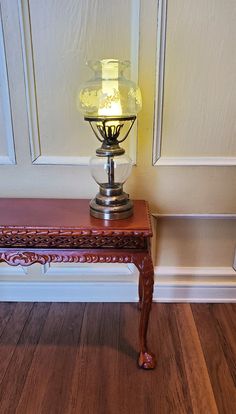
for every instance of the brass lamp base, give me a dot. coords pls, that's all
(111, 203)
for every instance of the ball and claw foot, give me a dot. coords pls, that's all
(146, 360)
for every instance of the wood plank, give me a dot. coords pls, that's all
(131, 385)
(14, 379)
(177, 395)
(6, 310)
(226, 327)
(11, 334)
(96, 371)
(199, 384)
(214, 328)
(171, 372)
(60, 382)
(49, 379)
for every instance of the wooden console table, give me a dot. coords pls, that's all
(55, 230)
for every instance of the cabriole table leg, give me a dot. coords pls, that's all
(144, 264)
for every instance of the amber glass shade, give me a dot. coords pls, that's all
(109, 93)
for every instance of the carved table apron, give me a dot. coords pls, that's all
(62, 231)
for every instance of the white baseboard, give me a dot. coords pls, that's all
(172, 284)
(195, 284)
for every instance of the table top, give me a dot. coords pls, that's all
(70, 216)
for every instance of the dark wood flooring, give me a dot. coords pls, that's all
(81, 358)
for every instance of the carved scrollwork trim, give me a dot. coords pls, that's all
(22, 231)
(29, 258)
(22, 240)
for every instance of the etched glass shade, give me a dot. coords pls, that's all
(109, 94)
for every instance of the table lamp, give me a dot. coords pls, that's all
(110, 102)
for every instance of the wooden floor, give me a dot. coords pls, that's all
(81, 358)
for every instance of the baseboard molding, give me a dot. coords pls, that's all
(171, 285)
(164, 272)
(195, 284)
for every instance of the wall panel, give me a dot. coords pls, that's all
(196, 93)
(7, 151)
(57, 40)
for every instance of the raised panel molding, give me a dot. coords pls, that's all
(175, 161)
(31, 87)
(5, 96)
(158, 158)
(194, 215)
(160, 69)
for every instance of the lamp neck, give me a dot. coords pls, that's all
(108, 150)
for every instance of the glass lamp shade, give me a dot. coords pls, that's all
(109, 93)
(110, 171)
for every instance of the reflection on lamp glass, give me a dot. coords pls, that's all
(110, 103)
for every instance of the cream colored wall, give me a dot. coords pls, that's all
(44, 47)
(195, 242)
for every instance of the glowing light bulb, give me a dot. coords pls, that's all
(110, 105)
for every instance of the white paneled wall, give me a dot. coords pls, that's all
(184, 146)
